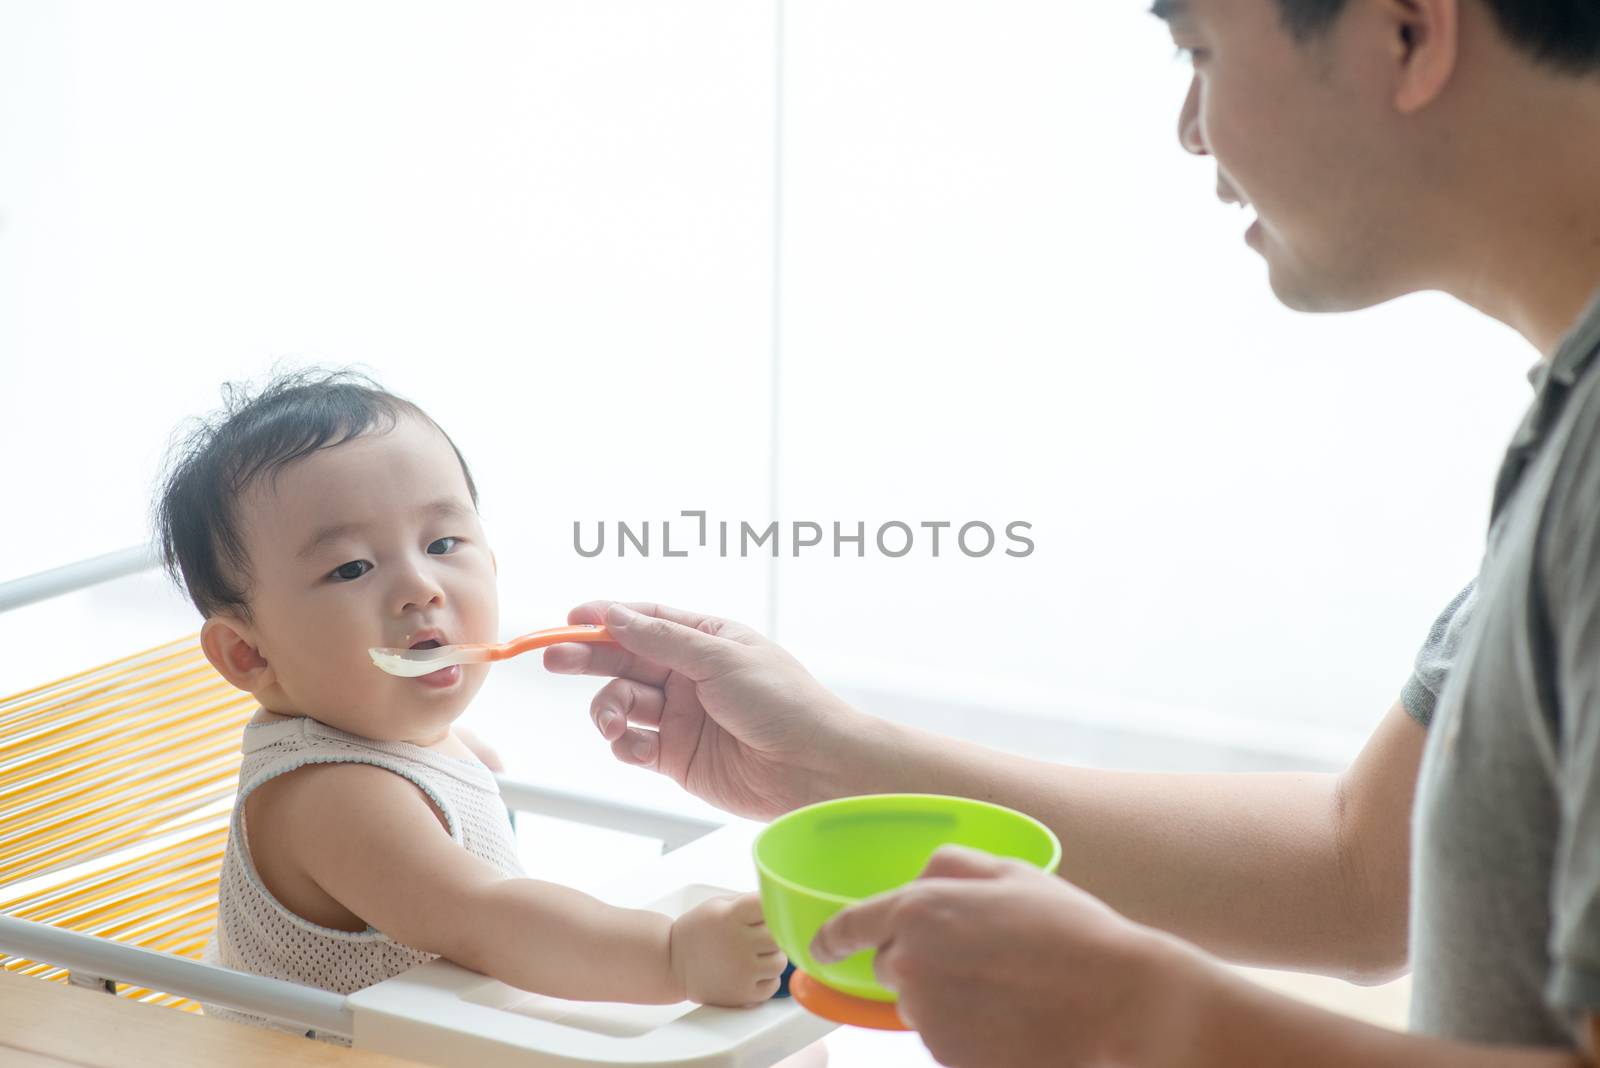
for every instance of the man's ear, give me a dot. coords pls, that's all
(229, 646)
(1425, 45)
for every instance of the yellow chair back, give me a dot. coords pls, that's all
(115, 789)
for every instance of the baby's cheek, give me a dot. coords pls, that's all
(487, 623)
(350, 683)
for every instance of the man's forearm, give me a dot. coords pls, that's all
(1224, 1021)
(1248, 866)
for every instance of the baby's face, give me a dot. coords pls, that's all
(373, 542)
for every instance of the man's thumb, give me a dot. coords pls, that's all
(960, 862)
(672, 645)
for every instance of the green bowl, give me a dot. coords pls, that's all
(816, 860)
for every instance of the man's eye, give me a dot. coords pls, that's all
(353, 570)
(442, 546)
(1190, 56)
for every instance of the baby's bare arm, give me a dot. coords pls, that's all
(372, 841)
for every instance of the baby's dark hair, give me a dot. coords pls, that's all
(256, 434)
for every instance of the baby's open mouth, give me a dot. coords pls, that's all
(431, 643)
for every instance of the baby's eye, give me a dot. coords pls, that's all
(351, 571)
(442, 546)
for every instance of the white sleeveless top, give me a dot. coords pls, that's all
(257, 934)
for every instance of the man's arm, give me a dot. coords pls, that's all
(997, 964)
(1292, 870)
(1233, 1022)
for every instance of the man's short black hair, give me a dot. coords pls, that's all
(254, 435)
(1562, 34)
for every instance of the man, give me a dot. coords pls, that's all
(1387, 146)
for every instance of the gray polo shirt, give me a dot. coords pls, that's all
(1505, 859)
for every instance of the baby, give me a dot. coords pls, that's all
(310, 523)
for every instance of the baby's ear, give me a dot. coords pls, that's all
(227, 644)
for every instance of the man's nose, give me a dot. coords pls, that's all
(1189, 135)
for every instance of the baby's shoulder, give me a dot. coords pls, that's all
(329, 794)
(313, 821)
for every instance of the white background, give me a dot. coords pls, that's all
(958, 269)
(1004, 294)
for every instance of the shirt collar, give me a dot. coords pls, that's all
(1552, 382)
(1579, 347)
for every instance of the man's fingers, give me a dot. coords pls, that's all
(623, 701)
(693, 653)
(590, 612)
(595, 612)
(864, 926)
(602, 658)
(960, 862)
(637, 747)
(650, 639)
(884, 970)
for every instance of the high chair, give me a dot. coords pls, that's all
(115, 789)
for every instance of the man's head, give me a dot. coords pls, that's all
(1377, 139)
(314, 520)
(1565, 34)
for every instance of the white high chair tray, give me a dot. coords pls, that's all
(443, 1014)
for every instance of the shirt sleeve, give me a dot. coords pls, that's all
(1421, 691)
(1570, 591)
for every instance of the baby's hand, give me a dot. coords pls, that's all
(723, 954)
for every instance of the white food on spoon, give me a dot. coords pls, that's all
(414, 663)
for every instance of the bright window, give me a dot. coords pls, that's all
(1004, 295)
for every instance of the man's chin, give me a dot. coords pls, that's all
(1298, 291)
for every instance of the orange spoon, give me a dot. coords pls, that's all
(410, 663)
